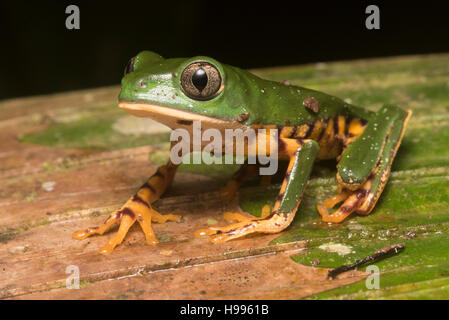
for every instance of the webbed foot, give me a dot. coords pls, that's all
(137, 208)
(242, 227)
(126, 217)
(359, 201)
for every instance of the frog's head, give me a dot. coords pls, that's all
(176, 92)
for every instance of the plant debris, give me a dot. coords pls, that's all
(376, 256)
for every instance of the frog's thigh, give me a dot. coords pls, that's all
(362, 197)
(382, 135)
(297, 175)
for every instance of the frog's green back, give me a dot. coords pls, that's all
(154, 80)
(270, 102)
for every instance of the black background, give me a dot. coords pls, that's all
(39, 55)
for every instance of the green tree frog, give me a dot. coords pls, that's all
(311, 126)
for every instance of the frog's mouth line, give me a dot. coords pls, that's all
(175, 118)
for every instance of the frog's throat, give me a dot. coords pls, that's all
(175, 118)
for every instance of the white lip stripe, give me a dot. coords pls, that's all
(169, 116)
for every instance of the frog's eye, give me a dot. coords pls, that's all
(201, 81)
(130, 66)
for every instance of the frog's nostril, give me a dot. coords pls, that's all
(130, 66)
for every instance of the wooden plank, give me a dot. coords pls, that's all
(253, 277)
(87, 182)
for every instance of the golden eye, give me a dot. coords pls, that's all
(201, 81)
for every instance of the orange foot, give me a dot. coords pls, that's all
(244, 226)
(359, 201)
(126, 216)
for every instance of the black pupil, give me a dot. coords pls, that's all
(199, 79)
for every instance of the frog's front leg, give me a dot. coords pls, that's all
(302, 154)
(137, 208)
(365, 165)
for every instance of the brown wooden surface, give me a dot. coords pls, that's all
(36, 225)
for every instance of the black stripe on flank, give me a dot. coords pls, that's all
(281, 130)
(347, 123)
(310, 130)
(323, 130)
(295, 129)
(336, 126)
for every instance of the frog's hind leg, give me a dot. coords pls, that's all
(302, 155)
(365, 165)
(137, 208)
